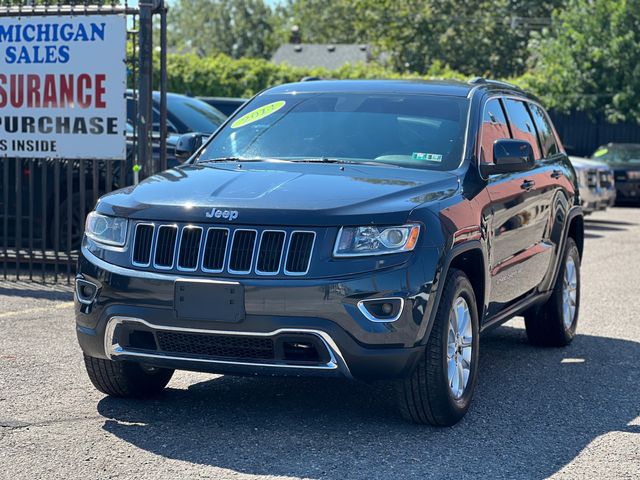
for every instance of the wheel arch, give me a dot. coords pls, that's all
(469, 257)
(576, 231)
(471, 263)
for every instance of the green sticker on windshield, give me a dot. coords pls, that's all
(258, 114)
(600, 152)
(427, 157)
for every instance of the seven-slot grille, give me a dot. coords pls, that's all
(238, 251)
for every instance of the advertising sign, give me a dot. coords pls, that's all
(62, 87)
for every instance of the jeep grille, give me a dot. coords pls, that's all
(237, 251)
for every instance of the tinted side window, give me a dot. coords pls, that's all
(494, 127)
(522, 125)
(547, 139)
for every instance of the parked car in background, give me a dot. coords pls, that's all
(596, 182)
(624, 159)
(184, 115)
(226, 105)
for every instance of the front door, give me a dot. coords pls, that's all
(520, 212)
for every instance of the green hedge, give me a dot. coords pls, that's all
(222, 76)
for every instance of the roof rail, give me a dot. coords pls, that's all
(311, 79)
(482, 80)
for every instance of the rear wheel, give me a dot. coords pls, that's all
(554, 323)
(441, 387)
(126, 379)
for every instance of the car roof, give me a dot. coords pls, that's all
(156, 95)
(427, 87)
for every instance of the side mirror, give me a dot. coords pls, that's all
(188, 144)
(509, 156)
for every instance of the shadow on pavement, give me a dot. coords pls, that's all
(33, 290)
(534, 411)
(592, 235)
(590, 221)
(590, 227)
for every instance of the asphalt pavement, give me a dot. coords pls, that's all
(537, 413)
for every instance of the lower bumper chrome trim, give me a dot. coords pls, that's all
(113, 349)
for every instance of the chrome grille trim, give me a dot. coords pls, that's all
(253, 252)
(151, 247)
(155, 249)
(198, 253)
(284, 244)
(224, 256)
(159, 231)
(313, 243)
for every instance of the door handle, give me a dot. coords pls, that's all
(556, 174)
(527, 185)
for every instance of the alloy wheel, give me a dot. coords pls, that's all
(569, 292)
(459, 347)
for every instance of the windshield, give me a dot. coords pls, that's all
(196, 115)
(620, 154)
(417, 131)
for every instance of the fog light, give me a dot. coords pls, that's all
(86, 291)
(382, 309)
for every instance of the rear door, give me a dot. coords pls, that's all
(554, 182)
(519, 254)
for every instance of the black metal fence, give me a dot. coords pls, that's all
(43, 202)
(582, 134)
(43, 205)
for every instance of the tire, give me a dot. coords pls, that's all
(126, 379)
(547, 325)
(427, 396)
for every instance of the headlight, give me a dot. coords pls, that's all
(633, 175)
(107, 230)
(360, 241)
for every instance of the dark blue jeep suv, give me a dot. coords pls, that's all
(360, 229)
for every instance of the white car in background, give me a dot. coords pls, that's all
(596, 182)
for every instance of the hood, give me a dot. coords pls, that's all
(268, 193)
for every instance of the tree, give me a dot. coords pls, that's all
(475, 37)
(590, 59)
(238, 28)
(322, 21)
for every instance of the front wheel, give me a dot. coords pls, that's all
(440, 390)
(554, 323)
(126, 379)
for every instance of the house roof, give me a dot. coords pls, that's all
(329, 56)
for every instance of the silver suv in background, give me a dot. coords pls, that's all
(596, 183)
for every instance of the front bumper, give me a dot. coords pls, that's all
(628, 192)
(595, 199)
(322, 311)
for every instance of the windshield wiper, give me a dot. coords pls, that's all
(241, 159)
(323, 160)
(348, 162)
(301, 160)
